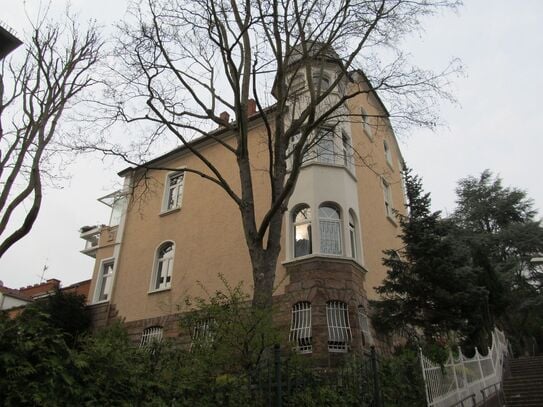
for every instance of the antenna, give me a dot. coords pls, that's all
(45, 268)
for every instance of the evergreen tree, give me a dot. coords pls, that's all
(499, 225)
(431, 286)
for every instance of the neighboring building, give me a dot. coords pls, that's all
(8, 41)
(162, 248)
(14, 300)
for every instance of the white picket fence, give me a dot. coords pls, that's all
(461, 377)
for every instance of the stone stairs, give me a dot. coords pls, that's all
(524, 386)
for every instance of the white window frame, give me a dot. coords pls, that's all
(388, 153)
(346, 150)
(353, 236)
(326, 154)
(300, 327)
(387, 194)
(151, 335)
(295, 224)
(366, 126)
(318, 78)
(330, 221)
(163, 265)
(104, 281)
(365, 327)
(339, 328)
(175, 190)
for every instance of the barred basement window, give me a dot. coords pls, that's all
(364, 322)
(150, 335)
(202, 333)
(339, 329)
(300, 328)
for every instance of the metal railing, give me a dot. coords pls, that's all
(461, 378)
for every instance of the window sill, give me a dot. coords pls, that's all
(339, 257)
(160, 290)
(169, 211)
(391, 220)
(100, 302)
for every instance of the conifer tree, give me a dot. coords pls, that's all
(431, 287)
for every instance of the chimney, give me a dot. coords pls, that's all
(225, 116)
(251, 107)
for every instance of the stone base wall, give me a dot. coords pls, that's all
(319, 280)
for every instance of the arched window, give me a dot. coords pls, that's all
(301, 221)
(150, 335)
(330, 229)
(162, 276)
(353, 239)
(339, 329)
(365, 331)
(300, 327)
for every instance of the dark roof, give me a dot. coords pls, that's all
(8, 42)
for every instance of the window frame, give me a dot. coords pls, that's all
(321, 152)
(365, 327)
(388, 154)
(168, 187)
(159, 263)
(337, 221)
(300, 327)
(104, 285)
(297, 209)
(366, 125)
(387, 195)
(339, 327)
(353, 235)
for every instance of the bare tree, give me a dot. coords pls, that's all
(186, 61)
(34, 96)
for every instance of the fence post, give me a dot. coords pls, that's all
(278, 384)
(376, 385)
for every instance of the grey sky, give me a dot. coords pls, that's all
(496, 126)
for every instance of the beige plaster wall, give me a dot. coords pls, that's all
(207, 229)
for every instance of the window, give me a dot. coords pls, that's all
(103, 285)
(173, 191)
(300, 327)
(321, 82)
(346, 150)
(366, 126)
(301, 220)
(325, 146)
(388, 153)
(151, 335)
(202, 333)
(365, 331)
(388, 199)
(297, 83)
(330, 229)
(162, 276)
(339, 329)
(352, 236)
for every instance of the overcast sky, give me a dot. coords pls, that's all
(496, 125)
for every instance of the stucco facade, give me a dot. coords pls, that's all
(201, 236)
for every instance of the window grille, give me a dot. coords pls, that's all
(364, 322)
(339, 329)
(203, 332)
(330, 230)
(150, 335)
(300, 328)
